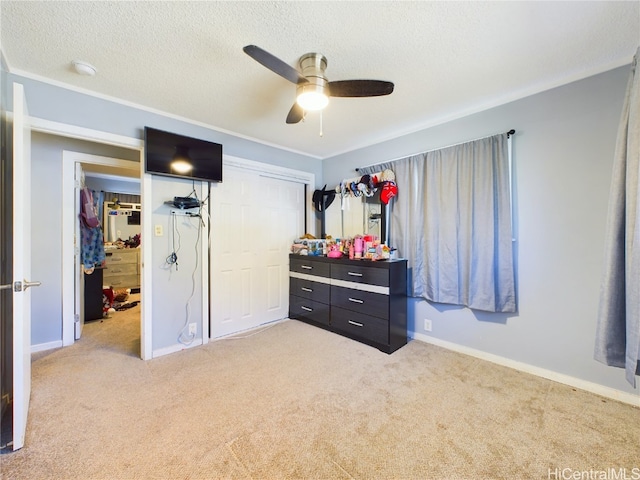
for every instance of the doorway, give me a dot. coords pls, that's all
(112, 292)
(107, 174)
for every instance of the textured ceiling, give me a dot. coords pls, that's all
(447, 59)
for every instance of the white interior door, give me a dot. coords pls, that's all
(21, 266)
(254, 220)
(78, 314)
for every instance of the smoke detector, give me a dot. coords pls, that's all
(83, 68)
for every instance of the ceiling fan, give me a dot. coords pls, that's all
(313, 88)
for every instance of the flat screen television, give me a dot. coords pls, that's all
(174, 155)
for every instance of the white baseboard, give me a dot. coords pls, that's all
(601, 390)
(160, 352)
(46, 346)
(248, 332)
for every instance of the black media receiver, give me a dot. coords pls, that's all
(185, 202)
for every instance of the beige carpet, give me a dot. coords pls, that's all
(294, 401)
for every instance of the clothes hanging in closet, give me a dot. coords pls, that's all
(92, 252)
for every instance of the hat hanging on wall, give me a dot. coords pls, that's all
(389, 190)
(387, 176)
(323, 198)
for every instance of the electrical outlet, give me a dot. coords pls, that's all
(427, 325)
(158, 231)
(192, 329)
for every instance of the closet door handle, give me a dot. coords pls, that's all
(351, 322)
(304, 289)
(306, 308)
(356, 300)
(354, 274)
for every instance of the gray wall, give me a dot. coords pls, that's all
(177, 292)
(562, 153)
(66, 106)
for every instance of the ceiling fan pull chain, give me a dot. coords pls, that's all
(321, 133)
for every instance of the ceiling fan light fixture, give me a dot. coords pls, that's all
(312, 97)
(313, 88)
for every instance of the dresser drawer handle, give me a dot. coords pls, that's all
(356, 300)
(306, 267)
(306, 308)
(351, 322)
(354, 274)
(305, 289)
(116, 259)
(115, 270)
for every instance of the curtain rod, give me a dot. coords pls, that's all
(509, 133)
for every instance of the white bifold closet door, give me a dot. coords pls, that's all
(254, 220)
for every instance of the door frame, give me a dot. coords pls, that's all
(78, 271)
(69, 201)
(96, 136)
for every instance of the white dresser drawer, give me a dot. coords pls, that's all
(121, 256)
(122, 281)
(121, 269)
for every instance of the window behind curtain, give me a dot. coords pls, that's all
(452, 221)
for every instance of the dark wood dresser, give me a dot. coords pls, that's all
(360, 299)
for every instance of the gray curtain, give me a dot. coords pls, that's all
(618, 327)
(451, 220)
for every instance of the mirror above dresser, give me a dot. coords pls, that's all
(121, 220)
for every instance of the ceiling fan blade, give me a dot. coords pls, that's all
(360, 88)
(275, 64)
(295, 114)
